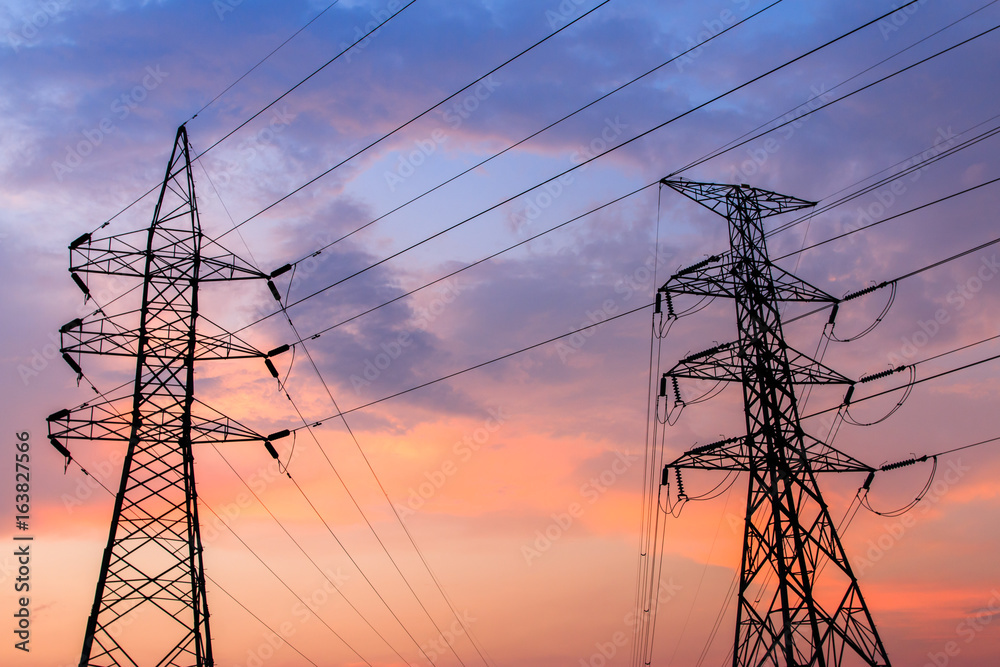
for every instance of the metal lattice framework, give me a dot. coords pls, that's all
(810, 610)
(150, 607)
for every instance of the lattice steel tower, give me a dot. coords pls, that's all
(799, 602)
(150, 606)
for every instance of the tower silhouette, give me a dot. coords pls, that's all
(150, 606)
(806, 607)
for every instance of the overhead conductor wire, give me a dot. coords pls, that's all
(357, 444)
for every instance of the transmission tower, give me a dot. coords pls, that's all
(799, 602)
(150, 607)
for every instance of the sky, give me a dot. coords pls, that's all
(520, 481)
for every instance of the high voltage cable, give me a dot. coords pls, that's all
(853, 92)
(522, 141)
(731, 145)
(412, 120)
(484, 363)
(353, 561)
(198, 157)
(648, 473)
(314, 73)
(241, 125)
(915, 272)
(909, 384)
(259, 620)
(963, 447)
(304, 553)
(357, 444)
(285, 584)
(892, 217)
(263, 60)
(456, 271)
(599, 155)
(618, 316)
(915, 166)
(308, 426)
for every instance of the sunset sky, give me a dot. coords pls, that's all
(520, 481)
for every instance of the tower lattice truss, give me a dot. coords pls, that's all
(811, 611)
(150, 606)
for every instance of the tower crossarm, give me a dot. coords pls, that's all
(118, 335)
(125, 255)
(111, 420)
(726, 362)
(716, 197)
(734, 454)
(715, 276)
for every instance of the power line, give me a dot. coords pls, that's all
(620, 315)
(412, 120)
(913, 165)
(731, 145)
(915, 272)
(244, 123)
(356, 565)
(306, 554)
(964, 447)
(892, 217)
(294, 87)
(484, 363)
(263, 60)
(909, 384)
(357, 444)
(533, 134)
(598, 155)
(452, 273)
(285, 584)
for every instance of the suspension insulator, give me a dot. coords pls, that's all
(72, 363)
(698, 265)
(868, 480)
(903, 464)
(670, 306)
(271, 450)
(707, 353)
(666, 476)
(274, 290)
(862, 292)
(677, 392)
(848, 395)
(278, 350)
(270, 367)
(56, 416)
(663, 386)
(283, 269)
(680, 484)
(79, 283)
(701, 449)
(833, 313)
(71, 325)
(659, 301)
(59, 448)
(882, 374)
(79, 241)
